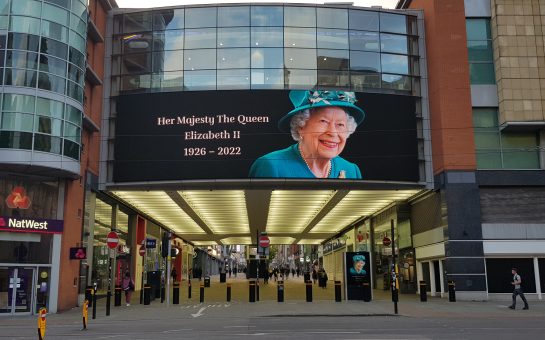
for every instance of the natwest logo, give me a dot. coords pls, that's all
(30, 225)
(18, 199)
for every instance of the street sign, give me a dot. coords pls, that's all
(142, 250)
(264, 241)
(151, 243)
(112, 240)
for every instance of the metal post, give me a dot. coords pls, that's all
(395, 293)
(94, 300)
(109, 293)
(168, 270)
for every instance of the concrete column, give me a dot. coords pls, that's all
(419, 275)
(432, 279)
(537, 278)
(441, 278)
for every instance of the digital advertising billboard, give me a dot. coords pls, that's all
(357, 275)
(241, 134)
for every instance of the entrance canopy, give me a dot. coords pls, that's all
(308, 216)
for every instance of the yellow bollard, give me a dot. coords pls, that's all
(85, 312)
(41, 323)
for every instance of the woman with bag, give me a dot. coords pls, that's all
(128, 287)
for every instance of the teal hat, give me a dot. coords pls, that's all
(309, 99)
(357, 258)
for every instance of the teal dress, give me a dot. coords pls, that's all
(288, 163)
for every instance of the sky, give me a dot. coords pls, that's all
(162, 3)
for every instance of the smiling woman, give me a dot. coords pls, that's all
(321, 122)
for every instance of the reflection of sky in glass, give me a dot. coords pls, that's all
(300, 16)
(366, 41)
(331, 38)
(234, 16)
(393, 43)
(267, 16)
(267, 36)
(395, 63)
(234, 58)
(267, 58)
(233, 37)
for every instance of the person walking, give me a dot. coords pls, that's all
(128, 287)
(517, 282)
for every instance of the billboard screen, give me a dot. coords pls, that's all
(236, 135)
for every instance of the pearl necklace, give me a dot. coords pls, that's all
(308, 166)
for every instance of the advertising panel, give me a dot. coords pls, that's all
(358, 275)
(265, 134)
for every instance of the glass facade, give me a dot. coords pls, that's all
(479, 48)
(43, 47)
(264, 47)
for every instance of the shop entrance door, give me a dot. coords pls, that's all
(16, 293)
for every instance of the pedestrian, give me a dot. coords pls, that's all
(128, 287)
(230, 271)
(517, 283)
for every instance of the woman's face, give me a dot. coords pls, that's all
(359, 265)
(324, 135)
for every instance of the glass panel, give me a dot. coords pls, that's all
(19, 77)
(365, 41)
(200, 17)
(23, 42)
(478, 29)
(55, 14)
(75, 74)
(168, 61)
(363, 20)
(168, 19)
(54, 48)
(200, 38)
(489, 159)
(53, 65)
(16, 140)
(136, 22)
(22, 59)
(395, 63)
(77, 41)
(394, 43)
(267, 36)
(17, 121)
(136, 82)
(168, 40)
(25, 25)
(394, 23)
(200, 80)
(329, 38)
(332, 18)
(23, 288)
(73, 115)
(361, 80)
(480, 50)
(334, 79)
(136, 63)
(18, 102)
(234, 37)
(71, 149)
(74, 91)
(5, 290)
(300, 58)
(49, 107)
(170, 81)
(4, 7)
(78, 25)
(234, 58)
(4, 22)
(27, 7)
(80, 9)
(300, 37)
(300, 16)
(520, 150)
(482, 73)
(485, 118)
(267, 57)
(233, 79)
(300, 79)
(332, 60)
(139, 43)
(267, 79)
(365, 61)
(200, 59)
(51, 83)
(487, 140)
(267, 16)
(71, 132)
(396, 82)
(233, 16)
(47, 143)
(77, 58)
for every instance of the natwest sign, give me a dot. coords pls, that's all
(31, 225)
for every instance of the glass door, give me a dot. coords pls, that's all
(16, 293)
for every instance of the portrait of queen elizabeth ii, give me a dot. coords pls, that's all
(320, 124)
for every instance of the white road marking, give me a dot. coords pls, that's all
(178, 330)
(199, 313)
(239, 326)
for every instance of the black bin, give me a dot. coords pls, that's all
(251, 291)
(207, 281)
(117, 296)
(223, 277)
(280, 291)
(423, 291)
(451, 291)
(338, 296)
(176, 293)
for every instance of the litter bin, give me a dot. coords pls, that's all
(117, 296)
(176, 293)
(423, 291)
(223, 277)
(451, 291)
(251, 296)
(280, 291)
(207, 281)
(338, 297)
(309, 290)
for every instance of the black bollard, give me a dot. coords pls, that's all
(451, 291)
(423, 293)
(189, 289)
(162, 294)
(257, 290)
(251, 295)
(338, 297)
(366, 291)
(94, 302)
(108, 301)
(176, 294)
(147, 293)
(280, 291)
(228, 292)
(201, 291)
(309, 290)
(117, 296)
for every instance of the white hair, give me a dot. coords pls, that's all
(299, 120)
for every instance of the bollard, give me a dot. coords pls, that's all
(309, 290)
(451, 291)
(338, 297)
(85, 314)
(280, 291)
(189, 289)
(41, 323)
(108, 301)
(89, 295)
(423, 293)
(201, 291)
(366, 292)
(251, 291)
(176, 294)
(207, 281)
(94, 302)
(257, 290)
(162, 294)
(147, 293)
(228, 292)
(117, 296)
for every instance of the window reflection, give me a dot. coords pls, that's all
(233, 16)
(233, 79)
(395, 23)
(300, 58)
(47, 143)
(300, 16)
(267, 58)
(364, 41)
(332, 18)
(267, 16)
(200, 80)
(200, 59)
(267, 79)
(300, 79)
(332, 60)
(330, 38)
(168, 19)
(363, 20)
(168, 40)
(364, 61)
(136, 22)
(200, 17)
(333, 79)
(362, 80)
(396, 82)
(233, 37)
(200, 38)
(168, 80)
(394, 43)
(168, 61)
(234, 58)
(395, 63)
(300, 37)
(267, 36)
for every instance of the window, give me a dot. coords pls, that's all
(363, 20)
(331, 38)
(233, 37)
(332, 18)
(168, 19)
(234, 58)
(267, 57)
(200, 17)
(267, 16)
(233, 16)
(267, 36)
(300, 16)
(479, 47)
(200, 38)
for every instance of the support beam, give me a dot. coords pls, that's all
(257, 204)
